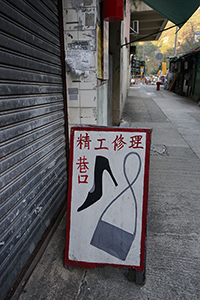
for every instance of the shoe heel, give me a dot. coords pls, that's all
(112, 176)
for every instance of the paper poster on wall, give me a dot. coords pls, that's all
(78, 57)
(107, 197)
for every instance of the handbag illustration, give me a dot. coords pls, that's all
(108, 237)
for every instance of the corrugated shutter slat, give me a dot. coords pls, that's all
(33, 146)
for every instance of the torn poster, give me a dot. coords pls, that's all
(78, 57)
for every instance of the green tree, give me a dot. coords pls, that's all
(165, 44)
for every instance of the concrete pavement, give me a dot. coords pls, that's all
(173, 244)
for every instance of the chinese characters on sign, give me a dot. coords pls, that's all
(83, 142)
(108, 188)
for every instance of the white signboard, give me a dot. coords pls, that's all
(107, 197)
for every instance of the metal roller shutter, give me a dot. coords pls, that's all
(33, 147)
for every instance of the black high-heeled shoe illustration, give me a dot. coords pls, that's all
(101, 164)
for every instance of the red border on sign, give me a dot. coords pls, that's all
(89, 265)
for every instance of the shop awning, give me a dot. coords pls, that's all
(177, 11)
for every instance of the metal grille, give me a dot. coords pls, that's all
(33, 156)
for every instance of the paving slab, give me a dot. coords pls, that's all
(50, 280)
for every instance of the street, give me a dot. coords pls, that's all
(173, 247)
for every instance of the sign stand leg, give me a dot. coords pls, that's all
(137, 276)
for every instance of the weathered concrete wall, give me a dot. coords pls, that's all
(102, 103)
(115, 50)
(138, 5)
(119, 34)
(125, 56)
(80, 25)
(91, 100)
(110, 82)
(104, 98)
(125, 72)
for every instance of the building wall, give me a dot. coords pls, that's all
(102, 104)
(125, 55)
(115, 50)
(97, 99)
(104, 93)
(197, 79)
(80, 24)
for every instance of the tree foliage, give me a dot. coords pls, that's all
(185, 43)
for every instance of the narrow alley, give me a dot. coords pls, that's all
(173, 248)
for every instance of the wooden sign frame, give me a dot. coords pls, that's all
(107, 197)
